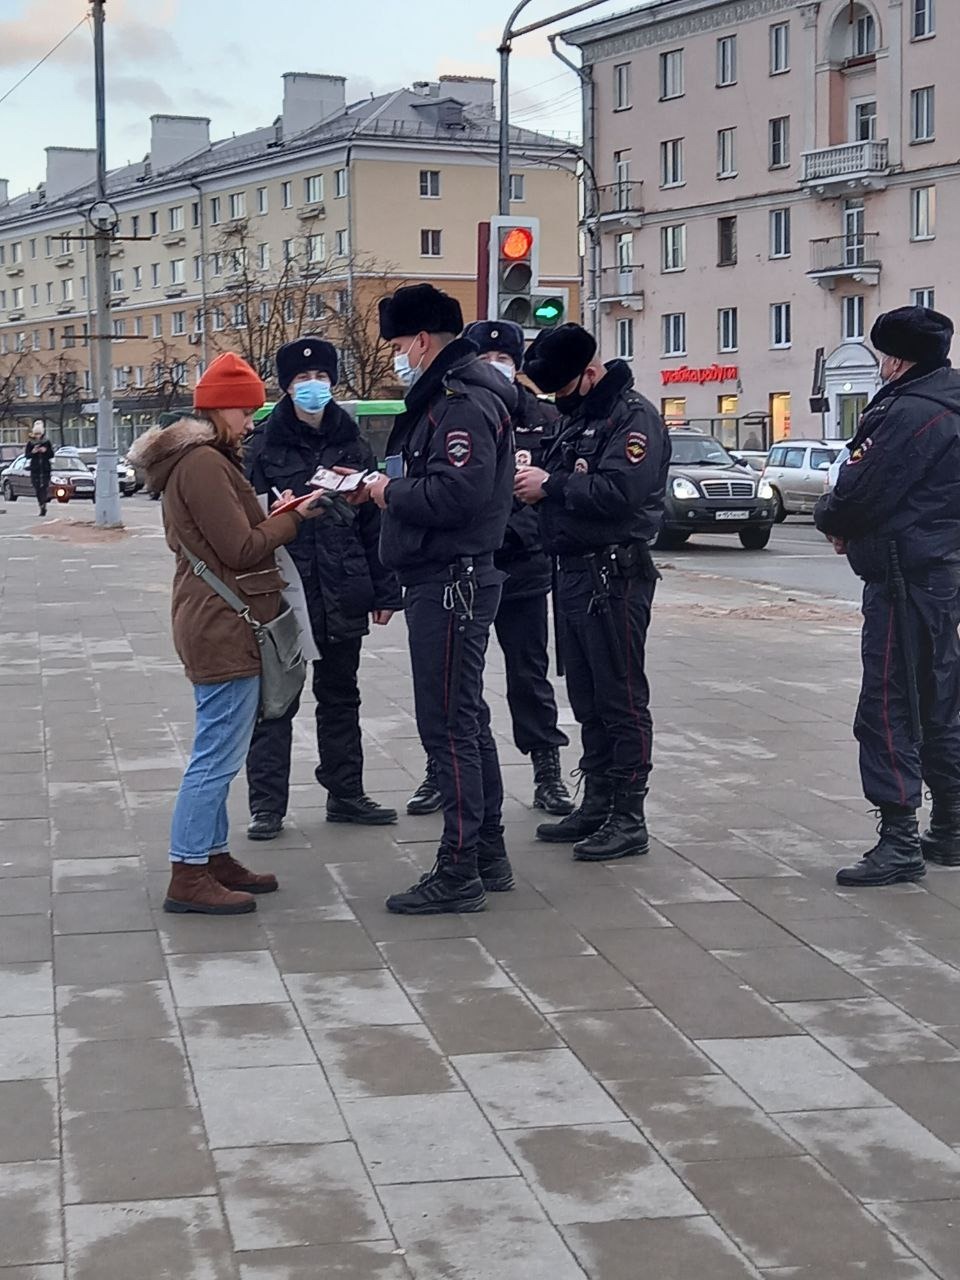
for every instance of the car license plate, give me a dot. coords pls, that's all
(733, 515)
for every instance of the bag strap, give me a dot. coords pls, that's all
(201, 570)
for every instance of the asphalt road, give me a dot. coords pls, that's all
(797, 558)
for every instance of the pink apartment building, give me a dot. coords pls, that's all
(770, 175)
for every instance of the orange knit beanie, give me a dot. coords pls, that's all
(229, 383)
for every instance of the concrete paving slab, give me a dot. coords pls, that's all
(158, 1154)
(243, 977)
(334, 1262)
(670, 1249)
(871, 1032)
(185, 1237)
(791, 1073)
(26, 988)
(364, 1062)
(535, 1089)
(29, 1125)
(30, 1213)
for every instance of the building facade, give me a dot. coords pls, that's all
(243, 243)
(771, 174)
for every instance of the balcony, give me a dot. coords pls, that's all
(173, 239)
(309, 211)
(852, 167)
(620, 286)
(14, 271)
(850, 257)
(63, 260)
(175, 291)
(620, 203)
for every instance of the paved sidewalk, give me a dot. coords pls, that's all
(703, 1063)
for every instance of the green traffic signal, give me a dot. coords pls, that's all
(548, 312)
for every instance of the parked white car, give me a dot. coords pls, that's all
(796, 471)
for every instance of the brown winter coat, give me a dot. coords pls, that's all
(210, 507)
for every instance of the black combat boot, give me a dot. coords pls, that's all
(427, 797)
(452, 885)
(265, 826)
(625, 830)
(941, 841)
(360, 810)
(550, 792)
(584, 821)
(896, 859)
(493, 865)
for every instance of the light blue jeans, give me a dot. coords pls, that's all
(226, 715)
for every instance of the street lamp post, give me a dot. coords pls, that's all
(103, 218)
(504, 49)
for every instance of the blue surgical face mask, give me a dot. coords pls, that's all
(506, 367)
(312, 396)
(406, 372)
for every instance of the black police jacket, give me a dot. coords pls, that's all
(456, 442)
(522, 557)
(608, 470)
(39, 453)
(343, 578)
(902, 483)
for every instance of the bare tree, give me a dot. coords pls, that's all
(61, 384)
(262, 306)
(12, 370)
(167, 381)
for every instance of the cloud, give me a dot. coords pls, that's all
(25, 40)
(128, 90)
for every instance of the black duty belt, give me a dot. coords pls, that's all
(619, 560)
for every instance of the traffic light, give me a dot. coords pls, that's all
(514, 268)
(548, 310)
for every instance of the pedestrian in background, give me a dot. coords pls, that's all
(444, 519)
(39, 453)
(521, 624)
(599, 494)
(344, 587)
(211, 511)
(895, 513)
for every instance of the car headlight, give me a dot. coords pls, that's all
(681, 487)
(130, 473)
(765, 489)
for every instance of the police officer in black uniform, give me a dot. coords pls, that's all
(521, 623)
(599, 494)
(344, 586)
(444, 518)
(895, 513)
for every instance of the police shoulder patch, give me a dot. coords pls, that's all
(459, 448)
(636, 446)
(860, 452)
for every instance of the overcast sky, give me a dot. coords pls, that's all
(224, 59)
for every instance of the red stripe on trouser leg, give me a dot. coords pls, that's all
(887, 659)
(628, 648)
(454, 762)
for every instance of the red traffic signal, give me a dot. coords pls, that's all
(517, 243)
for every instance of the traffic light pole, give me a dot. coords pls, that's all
(504, 49)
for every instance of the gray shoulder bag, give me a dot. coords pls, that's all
(283, 667)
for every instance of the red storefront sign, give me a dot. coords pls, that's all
(713, 373)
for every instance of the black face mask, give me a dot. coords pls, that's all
(568, 405)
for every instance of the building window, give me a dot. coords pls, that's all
(288, 251)
(178, 322)
(18, 295)
(621, 86)
(430, 184)
(780, 233)
(52, 339)
(286, 194)
(726, 153)
(922, 298)
(35, 294)
(175, 216)
(195, 214)
(779, 148)
(340, 181)
(36, 339)
(177, 270)
(671, 74)
(138, 326)
(923, 19)
(313, 188)
(853, 318)
(675, 334)
(198, 322)
(138, 376)
(33, 248)
(214, 210)
(138, 277)
(288, 310)
(120, 379)
(314, 306)
(158, 326)
(726, 61)
(119, 327)
(865, 121)
(673, 247)
(728, 329)
(66, 290)
(921, 114)
(197, 267)
(624, 250)
(154, 223)
(49, 292)
(625, 339)
(430, 244)
(263, 256)
(263, 200)
(342, 243)
(864, 36)
(923, 213)
(16, 252)
(516, 187)
(116, 281)
(238, 204)
(781, 334)
(727, 242)
(779, 48)
(239, 315)
(671, 163)
(621, 179)
(264, 312)
(316, 249)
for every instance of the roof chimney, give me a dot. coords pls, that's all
(174, 138)
(308, 100)
(67, 169)
(475, 92)
(4, 191)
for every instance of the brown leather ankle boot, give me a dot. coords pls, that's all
(226, 870)
(193, 888)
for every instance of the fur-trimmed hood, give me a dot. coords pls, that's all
(157, 451)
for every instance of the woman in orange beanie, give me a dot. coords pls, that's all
(210, 510)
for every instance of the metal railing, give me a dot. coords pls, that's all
(621, 197)
(620, 282)
(845, 161)
(845, 253)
